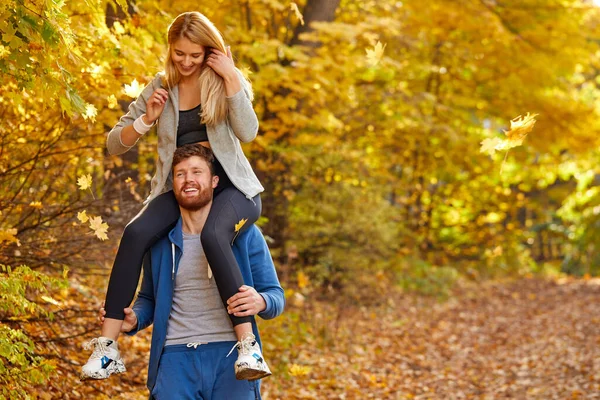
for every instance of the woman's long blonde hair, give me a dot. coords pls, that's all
(198, 29)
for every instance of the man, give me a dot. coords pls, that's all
(192, 335)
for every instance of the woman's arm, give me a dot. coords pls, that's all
(122, 136)
(242, 118)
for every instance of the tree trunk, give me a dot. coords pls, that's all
(315, 11)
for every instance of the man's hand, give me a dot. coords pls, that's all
(129, 323)
(246, 302)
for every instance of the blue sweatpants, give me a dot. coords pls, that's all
(201, 373)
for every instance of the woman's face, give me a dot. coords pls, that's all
(187, 57)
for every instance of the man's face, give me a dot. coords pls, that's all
(193, 184)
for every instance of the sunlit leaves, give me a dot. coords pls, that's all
(9, 235)
(519, 128)
(490, 145)
(112, 101)
(299, 370)
(83, 217)
(90, 112)
(134, 89)
(294, 8)
(375, 54)
(84, 182)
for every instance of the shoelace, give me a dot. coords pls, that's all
(100, 348)
(243, 346)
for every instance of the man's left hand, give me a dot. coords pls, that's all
(246, 302)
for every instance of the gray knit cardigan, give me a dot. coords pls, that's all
(224, 138)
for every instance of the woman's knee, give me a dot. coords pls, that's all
(136, 232)
(214, 237)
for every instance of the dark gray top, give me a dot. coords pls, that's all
(190, 129)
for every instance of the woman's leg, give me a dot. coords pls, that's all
(152, 223)
(229, 207)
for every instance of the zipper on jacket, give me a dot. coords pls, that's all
(173, 252)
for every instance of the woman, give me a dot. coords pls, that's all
(201, 98)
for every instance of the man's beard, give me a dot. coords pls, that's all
(202, 198)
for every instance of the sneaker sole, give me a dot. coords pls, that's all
(251, 375)
(118, 367)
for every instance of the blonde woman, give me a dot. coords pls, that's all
(201, 98)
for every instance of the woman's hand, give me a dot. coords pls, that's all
(155, 105)
(246, 302)
(222, 63)
(129, 323)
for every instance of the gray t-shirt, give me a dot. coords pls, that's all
(197, 315)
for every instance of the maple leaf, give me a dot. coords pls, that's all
(84, 182)
(490, 145)
(294, 8)
(375, 54)
(134, 89)
(299, 370)
(90, 112)
(519, 128)
(112, 101)
(4, 51)
(99, 227)
(83, 217)
(239, 225)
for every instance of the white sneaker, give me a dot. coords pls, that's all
(250, 364)
(104, 361)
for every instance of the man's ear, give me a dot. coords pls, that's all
(215, 181)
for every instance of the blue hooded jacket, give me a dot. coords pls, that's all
(154, 301)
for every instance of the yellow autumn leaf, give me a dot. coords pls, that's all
(239, 225)
(519, 128)
(84, 182)
(4, 51)
(112, 101)
(99, 227)
(375, 54)
(50, 300)
(90, 112)
(490, 145)
(303, 280)
(294, 8)
(299, 370)
(36, 204)
(118, 28)
(9, 235)
(83, 217)
(134, 89)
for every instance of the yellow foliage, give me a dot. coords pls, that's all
(9, 235)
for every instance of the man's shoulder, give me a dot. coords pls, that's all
(250, 238)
